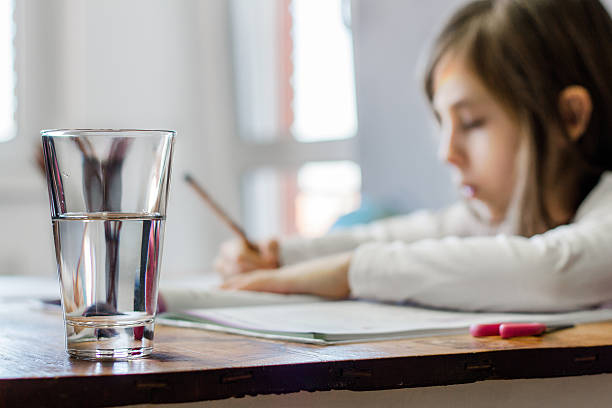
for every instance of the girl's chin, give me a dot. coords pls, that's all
(486, 211)
(495, 216)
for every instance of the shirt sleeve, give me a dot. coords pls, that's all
(454, 220)
(566, 268)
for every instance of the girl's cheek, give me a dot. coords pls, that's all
(482, 155)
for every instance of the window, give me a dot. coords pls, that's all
(297, 115)
(7, 72)
(323, 78)
(325, 191)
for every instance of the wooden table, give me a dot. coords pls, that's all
(195, 365)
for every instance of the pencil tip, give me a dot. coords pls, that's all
(187, 177)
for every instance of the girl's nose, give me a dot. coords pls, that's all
(451, 149)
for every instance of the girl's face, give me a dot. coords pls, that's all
(479, 137)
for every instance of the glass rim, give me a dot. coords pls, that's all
(106, 132)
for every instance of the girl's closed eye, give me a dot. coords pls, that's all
(473, 124)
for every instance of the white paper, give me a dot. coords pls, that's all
(355, 320)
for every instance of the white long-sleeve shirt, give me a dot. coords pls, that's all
(446, 259)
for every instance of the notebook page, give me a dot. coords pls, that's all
(355, 318)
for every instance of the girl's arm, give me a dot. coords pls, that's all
(455, 220)
(567, 268)
(236, 258)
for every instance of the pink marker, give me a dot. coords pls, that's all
(482, 330)
(509, 330)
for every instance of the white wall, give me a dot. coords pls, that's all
(26, 245)
(396, 134)
(123, 64)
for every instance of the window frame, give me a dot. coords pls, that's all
(283, 152)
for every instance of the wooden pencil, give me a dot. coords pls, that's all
(220, 212)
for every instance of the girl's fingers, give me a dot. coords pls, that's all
(260, 281)
(244, 267)
(227, 269)
(221, 269)
(232, 284)
(270, 253)
(242, 282)
(235, 258)
(250, 258)
(237, 251)
(230, 250)
(247, 255)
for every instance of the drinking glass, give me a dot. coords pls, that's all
(108, 191)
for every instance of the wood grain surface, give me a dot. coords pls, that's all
(194, 365)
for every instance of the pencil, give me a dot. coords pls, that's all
(220, 212)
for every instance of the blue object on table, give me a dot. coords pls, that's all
(366, 213)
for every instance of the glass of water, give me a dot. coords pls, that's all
(108, 191)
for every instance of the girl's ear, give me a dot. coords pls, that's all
(575, 106)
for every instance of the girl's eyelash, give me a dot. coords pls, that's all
(473, 124)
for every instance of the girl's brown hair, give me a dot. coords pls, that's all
(526, 52)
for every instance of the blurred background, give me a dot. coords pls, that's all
(290, 113)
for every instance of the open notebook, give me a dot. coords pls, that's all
(197, 302)
(352, 321)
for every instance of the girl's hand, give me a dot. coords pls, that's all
(327, 277)
(235, 258)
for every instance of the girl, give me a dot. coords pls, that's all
(522, 92)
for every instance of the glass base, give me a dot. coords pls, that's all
(110, 354)
(109, 342)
